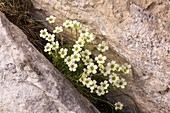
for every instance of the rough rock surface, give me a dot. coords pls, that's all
(28, 81)
(138, 30)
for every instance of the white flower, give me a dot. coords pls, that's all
(126, 68)
(51, 19)
(87, 61)
(112, 65)
(100, 59)
(93, 86)
(72, 66)
(84, 32)
(68, 60)
(87, 81)
(76, 57)
(100, 91)
(80, 43)
(84, 75)
(81, 79)
(127, 65)
(92, 68)
(68, 24)
(104, 84)
(105, 71)
(86, 54)
(55, 45)
(121, 83)
(118, 68)
(58, 29)
(76, 48)
(50, 52)
(50, 37)
(85, 72)
(63, 52)
(47, 47)
(118, 105)
(101, 66)
(76, 24)
(43, 33)
(102, 47)
(81, 38)
(113, 78)
(89, 38)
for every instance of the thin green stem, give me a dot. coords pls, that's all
(130, 98)
(112, 105)
(53, 25)
(72, 33)
(76, 34)
(61, 37)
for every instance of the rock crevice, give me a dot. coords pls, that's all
(28, 81)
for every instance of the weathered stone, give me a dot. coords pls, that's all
(28, 81)
(138, 33)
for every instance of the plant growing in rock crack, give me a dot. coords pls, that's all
(93, 74)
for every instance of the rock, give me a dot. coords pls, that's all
(137, 30)
(28, 81)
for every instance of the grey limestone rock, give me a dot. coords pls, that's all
(137, 30)
(28, 81)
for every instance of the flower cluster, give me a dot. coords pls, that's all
(92, 66)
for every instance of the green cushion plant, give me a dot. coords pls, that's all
(94, 75)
